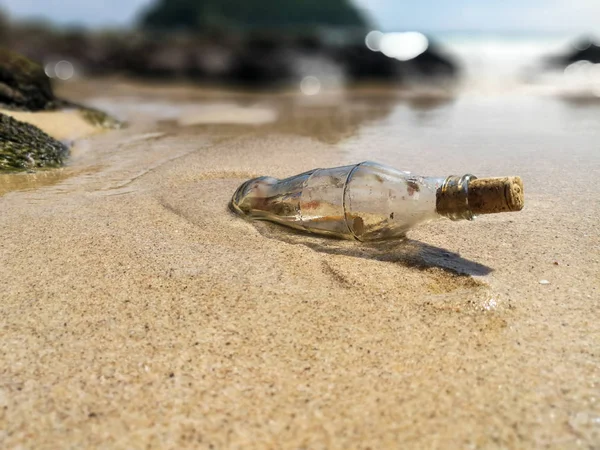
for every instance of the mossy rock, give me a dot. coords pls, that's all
(23, 84)
(93, 116)
(99, 119)
(25, 147)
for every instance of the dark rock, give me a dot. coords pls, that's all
(23, 84)
(194, 15)
(4, 27)
(270, 62)
(363, 64)
(590, 53)
(431, 63)
(250, 59)
(210, 61)
(158, 58)
(584, 49)
(25, 147)
(262, 62)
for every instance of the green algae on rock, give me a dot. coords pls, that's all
(99, 118)
(24, 147)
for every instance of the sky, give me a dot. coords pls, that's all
(578, 16)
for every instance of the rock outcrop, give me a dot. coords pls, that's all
(25, 147)
(24, 86)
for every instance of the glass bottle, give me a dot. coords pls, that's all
(370, 201)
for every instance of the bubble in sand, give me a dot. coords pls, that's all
(544, 282)
(490, 304)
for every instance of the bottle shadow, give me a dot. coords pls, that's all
(407, 252)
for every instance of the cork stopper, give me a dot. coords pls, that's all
(460, 198)
(495, 195)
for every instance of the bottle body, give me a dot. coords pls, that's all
(366, 201)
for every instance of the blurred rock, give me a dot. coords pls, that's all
(433, 63)
(26, 147)
(584, 49)
(4, 26)
(97, 118)
(590, 53)
(194, 15)
(271, 63)
(262, 62)
(248, 59)
(23, 84)
(364, 64)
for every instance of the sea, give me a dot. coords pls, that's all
(492, 61)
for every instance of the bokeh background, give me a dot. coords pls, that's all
(550, 46)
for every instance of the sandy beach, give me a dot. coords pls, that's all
(138, 312)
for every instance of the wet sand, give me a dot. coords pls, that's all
(139, 312)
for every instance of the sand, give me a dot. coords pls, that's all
(139, 312)
(62, 125)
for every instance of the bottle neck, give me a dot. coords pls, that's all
(452, 198)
